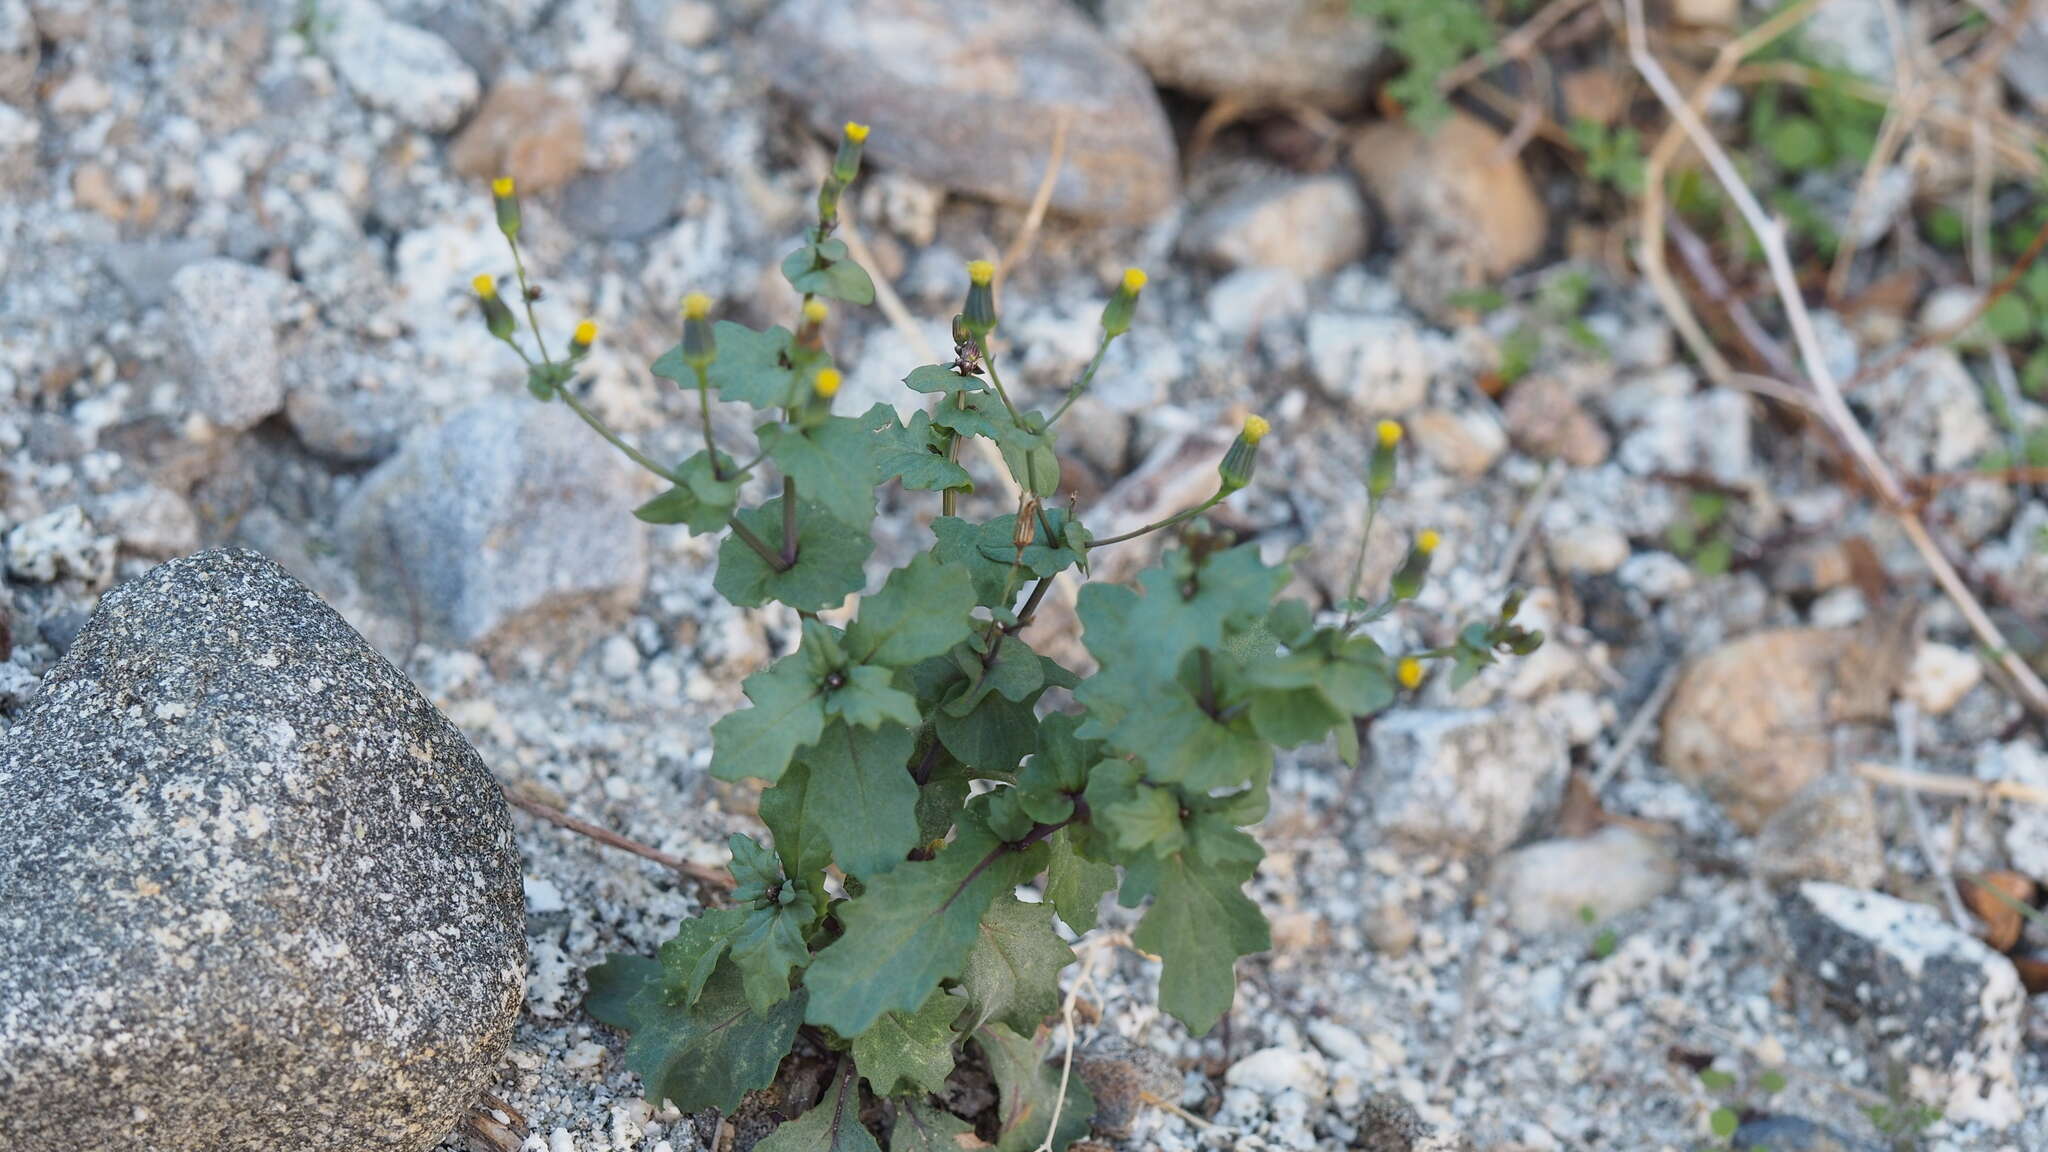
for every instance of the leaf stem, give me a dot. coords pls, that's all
(988, 361)
(1156, 525)
(598, 425)
(1081, 385)
(788, 524)
(752, 540)
(704, 417)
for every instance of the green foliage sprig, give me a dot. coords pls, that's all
(924, 761)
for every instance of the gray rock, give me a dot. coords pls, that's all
(632, 201)
(1793, 1134)
(1828, 831)
(58, 544)
(149, 520)
(965, 94)
(1309, 225)
(226, 313)
(1261, 51)
(144, 268)
(1546, 887)
(1121, 1074)
(1390, 1124)
(1937, 1000)
(2026, 829)
(1464, 780)
(2026, 66)
(19, 51)
(256, 892)
(1380, 365)
(19, 133)
(1252, 300)
(503, 526)
(345, 402)
(399, 69)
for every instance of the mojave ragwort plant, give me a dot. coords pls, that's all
(916, 775)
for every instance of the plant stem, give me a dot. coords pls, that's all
(1156, 525)
(1205, 666)
(1031, 603)
(788, 523)
(748, 537)
(526, 297)
(1081, 385)
(1372, 511)
(988, 361)
(704, 417)
(598, 425)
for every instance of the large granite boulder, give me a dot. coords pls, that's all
(255, 892)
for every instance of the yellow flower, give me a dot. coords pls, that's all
(827, 383)
(1389, 433)
(1255, 429)
(815, 312)
(486, 286)
(856, 132)
(586, 333)
(502, 186)
(1427, 542)
(1134, 280)
(1409, 672)
(980, 272)
(696, 306)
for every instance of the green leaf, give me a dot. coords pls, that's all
(993, 738)
(769, 945)
(830, 464)
(1199, 923)
(923, 1127)
(1049, 552)
(1013, 973)
(788, 713)
(913, 453)
(867, 809)
(614, 984)
(942, 378)
(826, 269)
(1141, 819)
(921, 612)
(828, 567)
(1029, 1090)
(870, 698)
(911, 1052)
(705, 1055)
(912, 927)
(1148, 635)
(756, 368)
(796, 814)
(2009, 319)
(1074, 884)
(1797, 143)
(1724, 1122)
(691, 956)
(703, 502)
(1030, 456)
(1164, 725)
(1016, 672)
(1291, 717)
(975, 414)
(832, 1125)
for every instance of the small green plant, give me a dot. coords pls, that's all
(1901, 1120)
(1431, 37)
(1734, 1098)
(1700, 534)
(922, 760)
(1614, 156)
(1606, 940)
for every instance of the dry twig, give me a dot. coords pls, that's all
(715, 878)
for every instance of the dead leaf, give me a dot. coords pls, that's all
(1995, 898)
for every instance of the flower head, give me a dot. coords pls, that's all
(1134, 280)
(1426, 543)
(815, 311)
(858, 133)
(1255, 428)
(486, 286)
(502, 186)
(1409, 672)
(827, 383)
(980, 272)
(1389, 433)
(696, 306)
(584, 336)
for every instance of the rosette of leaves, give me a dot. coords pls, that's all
(922, 762)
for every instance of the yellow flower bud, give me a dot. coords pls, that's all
(1255, 429)
(486, 286)
(696, 306)
(1389, 433)
(857, 133)
(1427, 542)
(502, 186)
(827, 383)
(1409, 672)
(1134, 280)
(584, 337)
(815, 312)
(980, 272)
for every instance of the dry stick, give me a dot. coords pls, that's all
(1834, 411)
(1638, 727)
(1019, 250)
(2020, 474)
(1699, 260)
(1961, 787)
(1525, 525)
(701, 873)
(1906, 719)
(1943, 335)
(1513, 46)
(1899, 118)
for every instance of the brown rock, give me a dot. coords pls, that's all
(1996, 899)
(1749, 722)
(1829, 831)
(1545, 419)
(966, 94)
(526, 130)
(1462, 443)
(1463, 212)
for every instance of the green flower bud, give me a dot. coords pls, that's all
(828, 201)
(505, 198)
(1116, 315)
(1243, 457)
(699, 348)
(497, 315)
(846, 165)
(1379, 476)
(1408, 578)
(980, 314)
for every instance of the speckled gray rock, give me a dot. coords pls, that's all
(965, 93)
(1828, 831)
(1390, 1124)
(400, 69)
(255, 892)
(1315, 52)
(1462, 780)
(1793, 1134)
(1939, 1002)
(226, 314)
(506, 525)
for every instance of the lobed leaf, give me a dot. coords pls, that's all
(829, 565)
(703, 1055)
